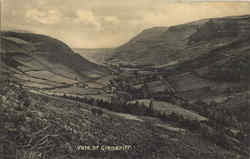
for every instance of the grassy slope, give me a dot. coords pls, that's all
(187, 41)
(52, 128)
(38, 52)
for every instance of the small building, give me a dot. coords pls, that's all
(156, 87)
(80, 85)
(159, 86)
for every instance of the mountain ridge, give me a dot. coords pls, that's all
(182, 42)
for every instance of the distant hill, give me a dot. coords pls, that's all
(177, 44)
(15, 30)
(98, 55)
(32, 55)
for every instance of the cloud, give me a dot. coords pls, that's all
(112, 19)
(179, 13)
(44, 17)
(95, 23)
(87, 17)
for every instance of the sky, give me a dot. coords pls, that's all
(108, 23)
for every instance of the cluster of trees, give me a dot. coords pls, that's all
(122, 107)
(127, 84)
(137, 108)
(192, 125)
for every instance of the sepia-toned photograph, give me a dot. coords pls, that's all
(117, 79)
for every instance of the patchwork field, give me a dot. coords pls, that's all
(105, 80)
(29, 64)
(169, 108)
(76, 90)
(50, 76)
(188, 81)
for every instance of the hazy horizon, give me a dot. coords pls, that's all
(98, 24)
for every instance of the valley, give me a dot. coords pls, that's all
(177, 92)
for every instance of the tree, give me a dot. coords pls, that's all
(151, 106)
